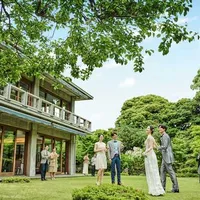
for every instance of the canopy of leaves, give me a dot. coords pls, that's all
(94, 31)
(140, 112)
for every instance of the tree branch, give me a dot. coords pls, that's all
(7, 14)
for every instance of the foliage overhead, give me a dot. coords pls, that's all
(94, 31)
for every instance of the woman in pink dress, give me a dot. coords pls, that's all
(101, 161)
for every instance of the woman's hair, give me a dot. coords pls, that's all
(151, 129)
(100, 135)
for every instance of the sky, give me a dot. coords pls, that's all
(168, 76)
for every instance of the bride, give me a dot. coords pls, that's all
(151, 165)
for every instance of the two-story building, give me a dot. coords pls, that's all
(33, 114)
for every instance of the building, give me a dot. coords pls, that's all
(32, 115)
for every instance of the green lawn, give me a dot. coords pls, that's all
(62, 188)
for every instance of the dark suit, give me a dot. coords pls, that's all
(167, 160)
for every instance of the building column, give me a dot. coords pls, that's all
(73, 105)
(32, 151)
(72, 155)
(36, 87)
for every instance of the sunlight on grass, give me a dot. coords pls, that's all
(62, 188)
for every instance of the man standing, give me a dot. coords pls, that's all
(167, 159)
(93, 162)
(45, 154)
(114, 151)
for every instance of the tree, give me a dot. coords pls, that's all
(94, 31)
(196, 82)
(139, 112)
(86, 144)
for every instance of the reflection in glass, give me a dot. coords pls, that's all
(47, 142)
(19, 157)
(58, 151)
(64, 156)
(39, 148)
(8, 151)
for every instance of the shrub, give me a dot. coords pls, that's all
(132, 163)
(124, 174)
(108, 192)
(107, 174)
(16, 180)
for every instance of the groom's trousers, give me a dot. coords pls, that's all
(167, 167)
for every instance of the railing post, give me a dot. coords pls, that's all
(62, 114)
(39, 105)
(24, 98)
(7, 90)
(71, 118)
(78, 120)
(52, 109)
(89, 128)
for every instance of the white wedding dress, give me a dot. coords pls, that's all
(151, 168)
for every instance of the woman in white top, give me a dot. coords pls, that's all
(101, 161)
(151, 165)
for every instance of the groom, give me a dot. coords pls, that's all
(114, 151)
(167, 159)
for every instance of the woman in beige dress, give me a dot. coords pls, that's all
(101, 161)
(53, 163)
(85, 164)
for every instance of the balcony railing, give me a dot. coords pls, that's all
(32, 102)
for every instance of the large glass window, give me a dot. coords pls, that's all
(8, 151)
(48, 142)
(64, 169)
(58, 151)
(19, 156)
(39, 148)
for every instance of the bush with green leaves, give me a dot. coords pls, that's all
(108, 192)
(133, 162)
(16, 180)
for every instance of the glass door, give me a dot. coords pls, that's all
(58, 151)
(19, 155)
(8, 151)
(64, 170)
(39, 148)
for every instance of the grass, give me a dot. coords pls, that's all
(62, 188)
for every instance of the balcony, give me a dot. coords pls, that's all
(17, 99)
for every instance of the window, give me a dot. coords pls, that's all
(8, 151)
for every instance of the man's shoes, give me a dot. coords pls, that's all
(119, 183)
(175, 191)
(113, 183)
